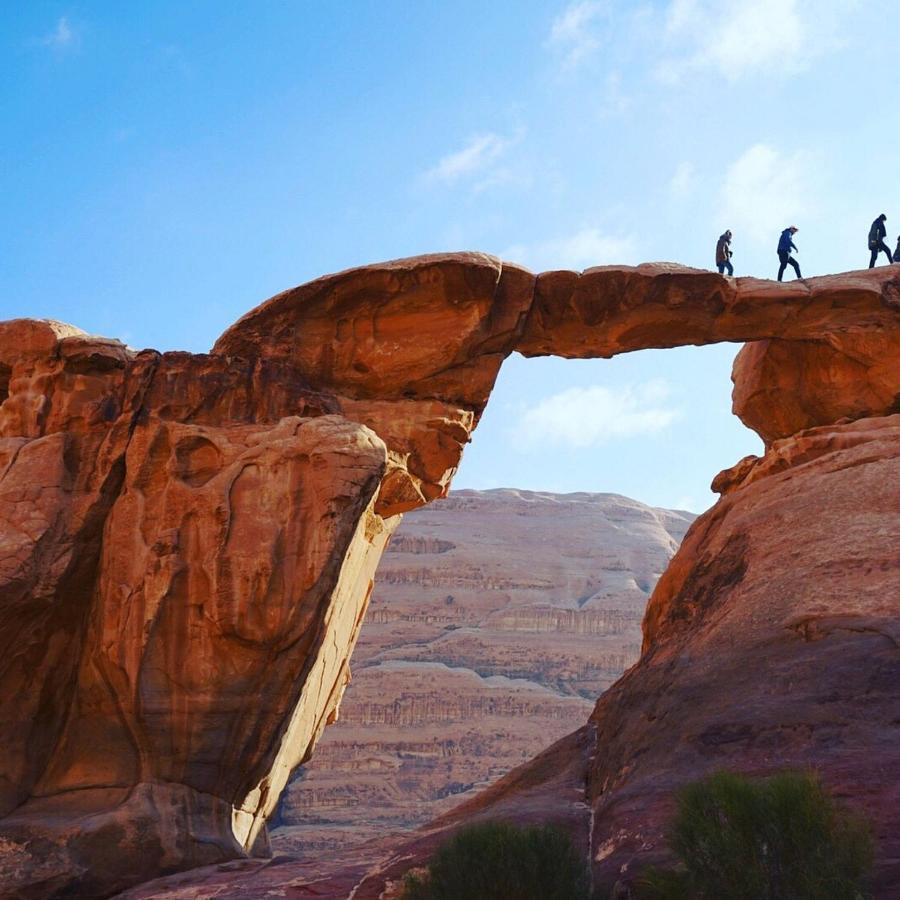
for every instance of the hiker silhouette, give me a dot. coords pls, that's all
(785, 245)
(877, 234)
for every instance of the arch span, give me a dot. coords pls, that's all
(436, 329)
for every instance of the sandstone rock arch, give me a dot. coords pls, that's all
(189, 541)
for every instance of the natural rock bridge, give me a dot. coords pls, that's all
(188, 541)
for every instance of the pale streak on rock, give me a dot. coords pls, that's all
(327, 678)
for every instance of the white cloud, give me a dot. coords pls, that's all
(573, 31)
(585, 248)
(765, 191)
(735, 37)
(504, 176)
(581, 417)
(478, 155)
(61, 36)
(682, 182)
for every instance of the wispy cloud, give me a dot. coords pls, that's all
(736, 38)
(764, 191)
(63, 35)
(580, 250)
(582, 417)
(476, 157)
(573, 32)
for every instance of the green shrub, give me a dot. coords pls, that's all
(498, 861)
(777, 838)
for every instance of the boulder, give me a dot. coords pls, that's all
(782, 387)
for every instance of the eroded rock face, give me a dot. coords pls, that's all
(179, 600)
(770, 641)
(188, 542)
(782, 387)
(433, 326)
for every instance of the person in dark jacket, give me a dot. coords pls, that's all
(897, 251)
(877, 234)
(785, 245)
(724, 254)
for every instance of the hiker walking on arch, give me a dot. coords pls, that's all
(724, 254)
(785, 245)
(877, 234)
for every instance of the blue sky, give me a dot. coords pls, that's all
(166, 166)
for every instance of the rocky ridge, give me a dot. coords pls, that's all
(190, 541)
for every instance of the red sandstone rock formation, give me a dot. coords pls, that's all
(617, 309)
(771, 642)
(189, 542)
(183, 537)
(782, 387)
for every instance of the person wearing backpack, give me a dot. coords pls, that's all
(877, 234)
(785, 245)
(724, 254)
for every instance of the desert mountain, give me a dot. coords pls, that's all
(497, 619)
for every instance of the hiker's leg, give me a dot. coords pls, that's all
(887, 251)
(873, 258)
(720, 267)
(730, 268)
(784, 258)
(796, 265)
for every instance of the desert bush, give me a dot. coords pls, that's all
(499, 861)
(777, 838)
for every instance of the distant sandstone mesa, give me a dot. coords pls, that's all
(190, 541)
(496, 620)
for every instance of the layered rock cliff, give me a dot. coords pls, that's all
(189, 542)
(496, 619)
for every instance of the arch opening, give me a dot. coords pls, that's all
(502, 612)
